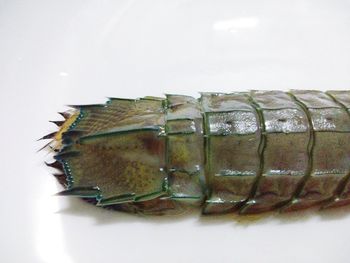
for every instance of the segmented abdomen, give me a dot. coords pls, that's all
(246, 152)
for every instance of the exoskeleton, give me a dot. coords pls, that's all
(243, 152)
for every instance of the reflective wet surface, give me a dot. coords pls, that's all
(79, 52)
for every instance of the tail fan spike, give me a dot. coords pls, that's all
(57, 123)
(65, 115)
(57, 165)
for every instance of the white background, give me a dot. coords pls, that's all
(54, 53)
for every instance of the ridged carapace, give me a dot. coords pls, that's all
(243, 152)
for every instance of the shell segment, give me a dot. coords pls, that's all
(342, 193)
(330, 147)
(120, 151)
(282, 168)
(233, 136)
(185, 151)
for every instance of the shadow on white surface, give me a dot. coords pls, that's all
(101, 216)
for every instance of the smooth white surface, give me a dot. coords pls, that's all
(54, 53)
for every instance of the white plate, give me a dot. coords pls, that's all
(54, 53)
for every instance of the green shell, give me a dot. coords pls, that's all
(247, 152)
